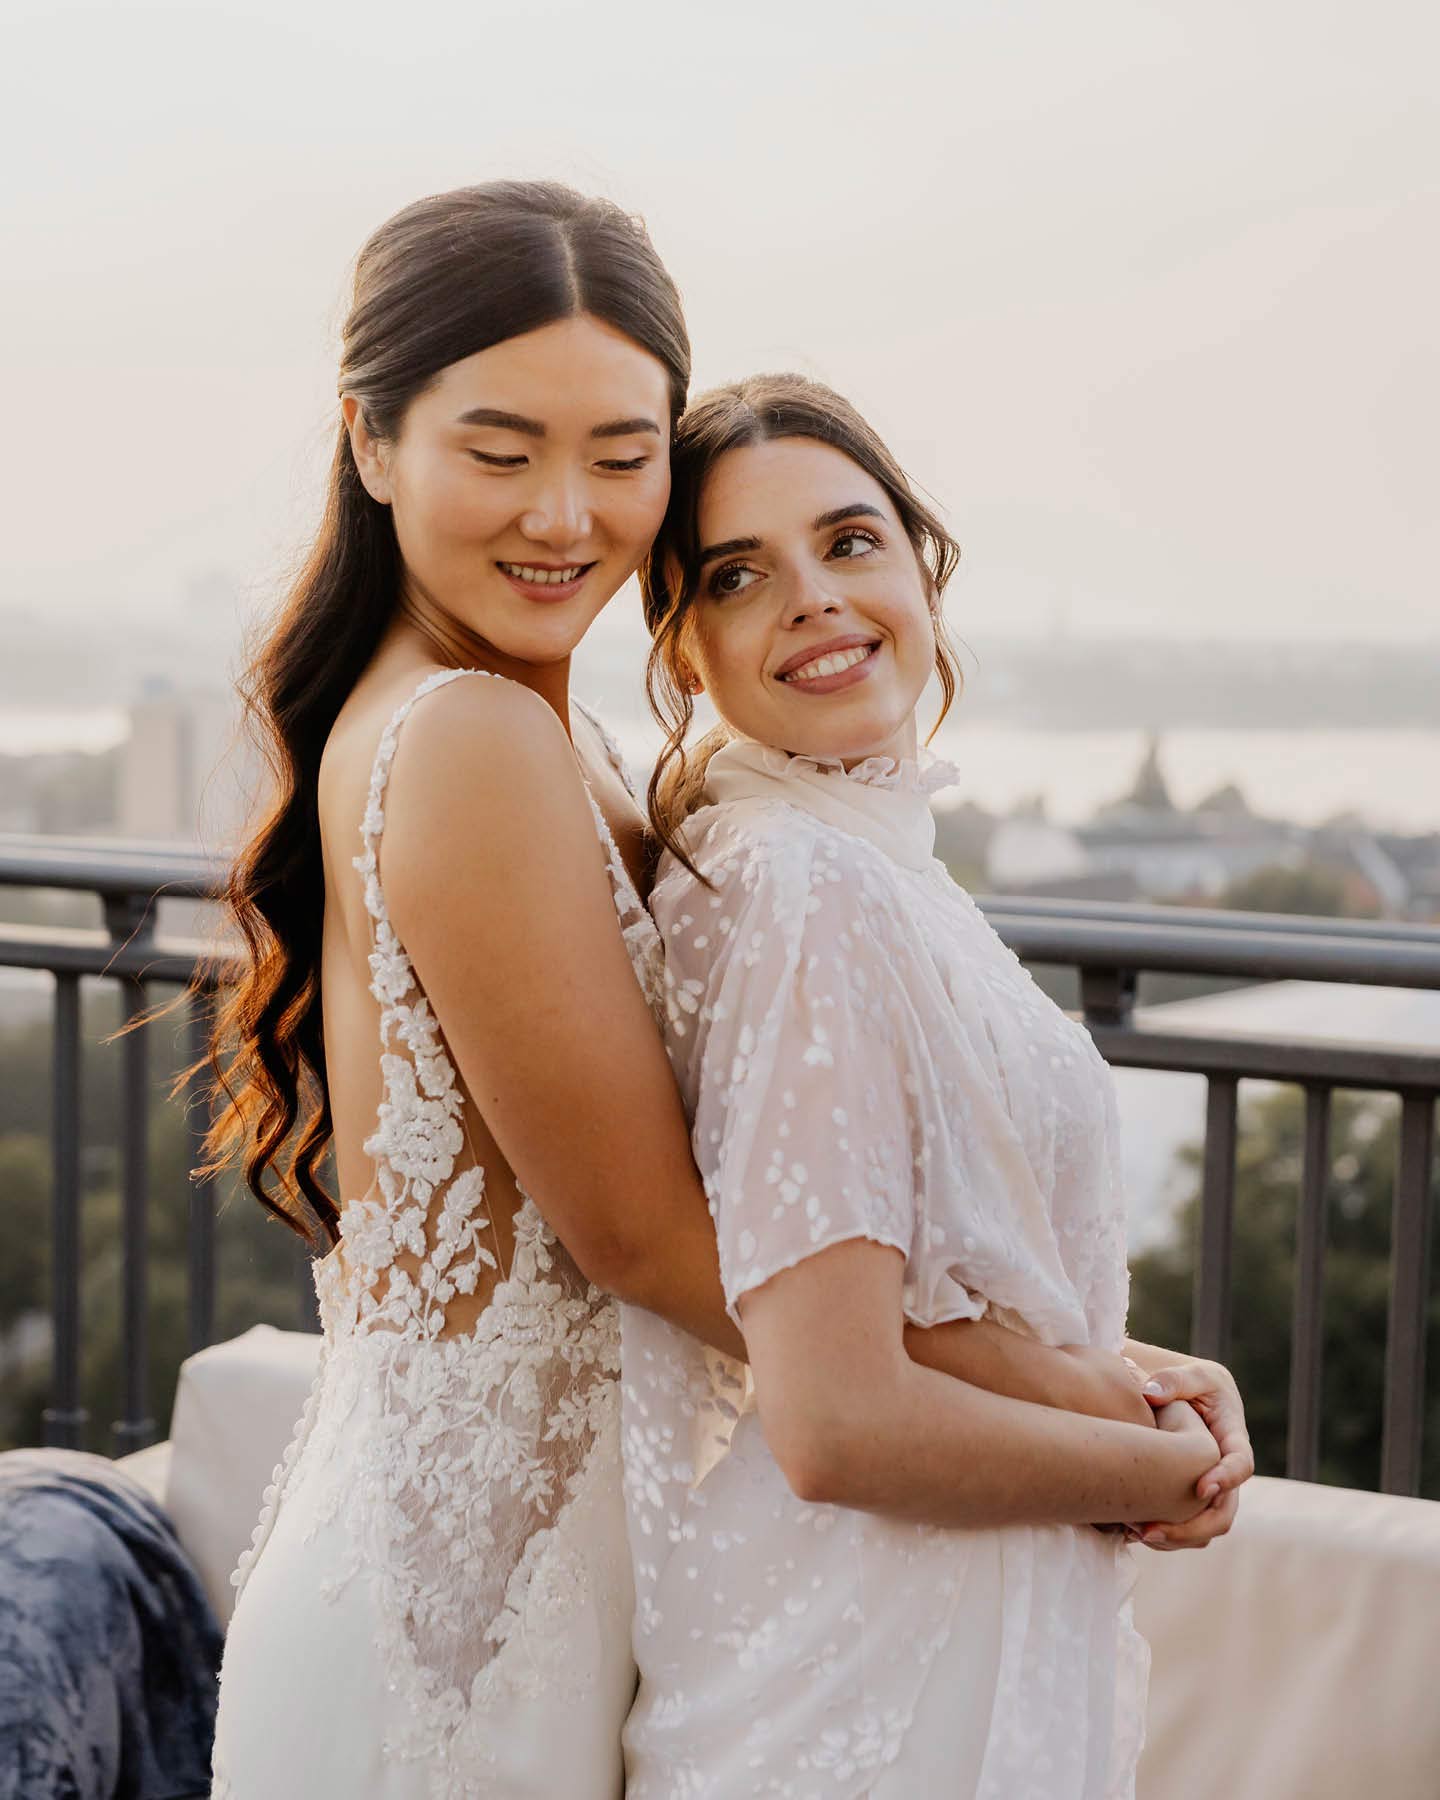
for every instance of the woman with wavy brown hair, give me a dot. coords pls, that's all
(890, 1585)
(446, 989)
(438, 1598)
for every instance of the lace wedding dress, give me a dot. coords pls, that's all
(862, 1057)
(437, 1602)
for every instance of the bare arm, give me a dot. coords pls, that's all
(852, 1420)
(1074, 1378)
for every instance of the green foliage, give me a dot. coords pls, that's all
(1315, 890)
(259, 1264)
(1364, 1147)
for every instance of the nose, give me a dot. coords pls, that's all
(809, 601)
(559, 514)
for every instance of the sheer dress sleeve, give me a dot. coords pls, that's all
(794, 1043)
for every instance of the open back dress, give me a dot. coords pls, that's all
(437, 1602)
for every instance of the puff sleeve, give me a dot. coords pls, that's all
(791, 1042)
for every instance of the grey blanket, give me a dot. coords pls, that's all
(109, 1650)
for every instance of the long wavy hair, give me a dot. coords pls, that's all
(756, 411)
(441, 280)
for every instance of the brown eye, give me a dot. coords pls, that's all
(865, 538)
(732, 579)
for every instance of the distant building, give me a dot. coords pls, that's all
(1023, 851)
(183, 775)
(1150, 791)
(1175, 854)
(1170, 854)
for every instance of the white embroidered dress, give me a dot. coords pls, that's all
(863, 1057)
(438, 1600)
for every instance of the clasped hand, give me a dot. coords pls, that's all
(1191, 1395)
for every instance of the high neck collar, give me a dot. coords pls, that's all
(881, 799)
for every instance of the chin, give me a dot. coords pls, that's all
(852, 741)
(535, 640)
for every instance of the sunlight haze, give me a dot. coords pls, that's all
(1143, 294)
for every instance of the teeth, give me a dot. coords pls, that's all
(543, 577)
(831, 664)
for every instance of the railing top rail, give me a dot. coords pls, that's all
(122, 867)
(1207, 918)
(1268, 954)
(1084, 933)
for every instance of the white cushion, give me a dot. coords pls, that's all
(1295, 1658)
(236, 1408)
(150, 1467)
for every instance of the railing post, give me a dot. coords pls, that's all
(1210, 1331)
(64, 1419)
(200, 1225)
(1302, 1450)
(1107, 996)
(135, 1428)
(1409, 1299)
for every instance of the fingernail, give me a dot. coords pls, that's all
(1153, 1387)
(1156, 1537)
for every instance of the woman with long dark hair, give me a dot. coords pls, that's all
(438, 1598)
(445, 988)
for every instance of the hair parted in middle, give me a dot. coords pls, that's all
(758, 410)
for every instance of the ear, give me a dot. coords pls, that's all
(688, 679)
(371, 455)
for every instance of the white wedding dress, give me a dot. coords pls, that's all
(437, 1605)
(861, 1056)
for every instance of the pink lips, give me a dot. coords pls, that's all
(842, 678)
(547, 591)
(853, 640)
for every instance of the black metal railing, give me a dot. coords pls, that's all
(130, 881)
(1108, 946)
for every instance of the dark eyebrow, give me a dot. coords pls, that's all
(502, 421)
(625, 428)
(728, 548)
(862, 511)
(731, 545)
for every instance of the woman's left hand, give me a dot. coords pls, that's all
(1210, 1388)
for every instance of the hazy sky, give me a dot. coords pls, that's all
(1145, 294)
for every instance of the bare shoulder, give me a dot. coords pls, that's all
(478, 741)
(483, 774)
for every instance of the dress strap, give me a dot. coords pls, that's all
(612, 748)
(373, 823)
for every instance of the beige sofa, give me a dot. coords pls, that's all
(1294, 1660)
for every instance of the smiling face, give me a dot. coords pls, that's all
(526, 484)
(812, 629)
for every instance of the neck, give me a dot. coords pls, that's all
(438, 635)
(900, 746)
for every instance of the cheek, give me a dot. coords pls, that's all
(439, 504)
(907, 618)
(633, 515)
(732, 663)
